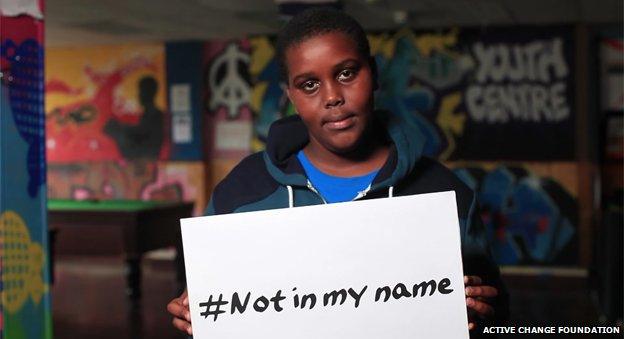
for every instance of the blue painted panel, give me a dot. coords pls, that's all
(184, 62)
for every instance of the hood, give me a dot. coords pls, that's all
(289, 135)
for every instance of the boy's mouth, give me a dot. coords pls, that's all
(340, 122)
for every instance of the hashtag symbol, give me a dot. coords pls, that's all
(213, 307)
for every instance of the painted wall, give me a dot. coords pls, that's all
(228, 99)
(25, 308)
(184, 83)
(509, 89)
(106, 103)
(109, 127)
(530, 210)
(500, 98)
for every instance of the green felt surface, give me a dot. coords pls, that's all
(101, 205)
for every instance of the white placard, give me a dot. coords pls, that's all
(283, 259)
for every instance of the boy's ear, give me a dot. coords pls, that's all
(373, 66)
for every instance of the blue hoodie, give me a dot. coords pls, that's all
(275, 178)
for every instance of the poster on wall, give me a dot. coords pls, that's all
(106, 103)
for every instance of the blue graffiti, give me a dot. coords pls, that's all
(25, 82)
(274, 100)
(527, 220)
(399, 95)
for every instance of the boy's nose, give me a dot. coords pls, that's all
(333, 97)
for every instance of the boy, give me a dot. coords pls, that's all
(338, 148)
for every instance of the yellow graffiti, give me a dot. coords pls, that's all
(428, 43)
(382, 44)
(450, 123)
(261, 54)
(425, 43)
(257, 95)
(22, 263)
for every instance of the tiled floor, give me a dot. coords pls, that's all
(89, 301)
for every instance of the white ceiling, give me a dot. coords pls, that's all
(80, 22)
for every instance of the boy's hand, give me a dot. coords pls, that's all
(478, 300)
(179, 308)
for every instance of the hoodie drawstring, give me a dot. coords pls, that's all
(291, 197)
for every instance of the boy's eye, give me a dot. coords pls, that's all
(346, 75)
(309, 86)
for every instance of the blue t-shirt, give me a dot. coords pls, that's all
(335, 189)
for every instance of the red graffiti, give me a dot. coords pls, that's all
(75, 131)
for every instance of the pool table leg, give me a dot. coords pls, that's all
(133, 277)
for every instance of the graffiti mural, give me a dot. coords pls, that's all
(227, 98)
(25, 310)
(509, 87)
(228, 81)
(404, 57)
(530, 219)
(106, 103)
(108, 127)
(145, 138)
(268, 101)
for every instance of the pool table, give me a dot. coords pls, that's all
(120, 227)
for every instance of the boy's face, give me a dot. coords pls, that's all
(331, 86)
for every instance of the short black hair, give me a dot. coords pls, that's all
(314, 22)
